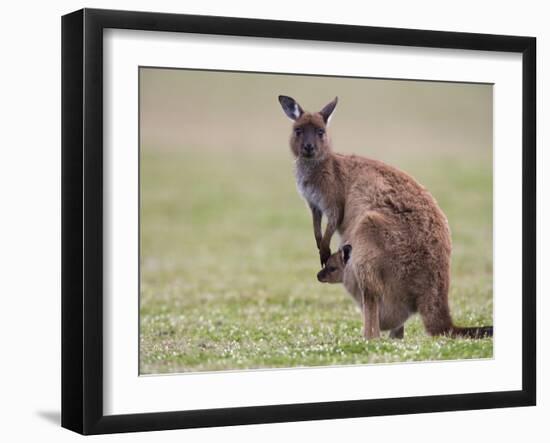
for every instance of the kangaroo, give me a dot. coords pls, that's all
(393, 312)
(405, 239)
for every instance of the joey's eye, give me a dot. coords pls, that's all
(320, 132)
(298, 131)
(331, 269)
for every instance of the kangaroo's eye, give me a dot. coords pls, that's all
(298, 131)
(331, 269)
(320, 132)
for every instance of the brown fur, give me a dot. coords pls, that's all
(401, 239)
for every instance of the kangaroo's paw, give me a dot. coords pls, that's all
(324, 254)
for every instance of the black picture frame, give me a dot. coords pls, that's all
(82, 220)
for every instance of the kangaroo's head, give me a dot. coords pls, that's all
(309, 139)
(333, 272)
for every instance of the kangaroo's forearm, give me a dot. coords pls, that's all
(334, 218)
(324, 250)
(317, 216)
(327, 236)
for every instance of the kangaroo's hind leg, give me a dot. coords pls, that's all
(368, 262)
(371, 316)
(370, 303)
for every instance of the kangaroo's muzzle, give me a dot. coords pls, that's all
(308, 150)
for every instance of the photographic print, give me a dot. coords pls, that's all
(299, 221)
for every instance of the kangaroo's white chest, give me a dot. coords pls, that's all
(309, 192)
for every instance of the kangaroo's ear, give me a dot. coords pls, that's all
(346, 253)
(326, 112)
(291, 107)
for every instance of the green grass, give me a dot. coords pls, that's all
(229, 263)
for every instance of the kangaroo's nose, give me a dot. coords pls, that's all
(308, 147)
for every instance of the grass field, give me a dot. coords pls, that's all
(229, 268)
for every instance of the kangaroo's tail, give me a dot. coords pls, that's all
(476, 332)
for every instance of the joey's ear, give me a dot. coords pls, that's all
(346, 253)
(292, 109)
(326, 112)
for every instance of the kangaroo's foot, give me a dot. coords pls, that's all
(398, 332)
(370, 334)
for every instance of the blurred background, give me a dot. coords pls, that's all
(228, 258)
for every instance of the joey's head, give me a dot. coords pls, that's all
(333, 272)
(309, 139)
